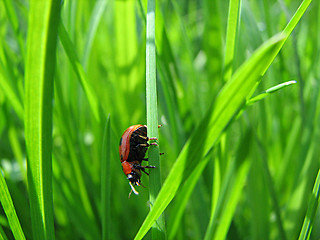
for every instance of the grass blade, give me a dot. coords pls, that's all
(232, 26)
(44, 19)
(106, 182)
(158, 229)
(8, 207)
(268, 92)
(312, 210)
(78, 69)
(230, 192)
(13, 18)
(96, 15)
(6, 80)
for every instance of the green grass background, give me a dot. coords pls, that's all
(85, 72)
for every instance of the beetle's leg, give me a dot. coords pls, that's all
(147, 138)
(143, 137)
(143, 167)
(147, 144)
(143, 170)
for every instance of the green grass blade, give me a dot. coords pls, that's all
(230, 192)
(268, 92)
(230, 99)
(78, 69)
(106, 182)
(3, 236)
(13, 18)
(8, 207)
(96, 15)
(312, 210)
(182, 200)
(7, 78)
(40, 65)
(291, 25)
(232, 26)
(158, 229)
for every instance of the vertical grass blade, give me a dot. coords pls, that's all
(233, 183)
(312, 210)
(158, 229)
(13, 18)
(44, 19)
(6, 80)
(96, 15)
(8, 207)
(79, 71)
(106, 182)
(232, 26)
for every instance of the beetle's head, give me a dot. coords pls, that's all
(133, 175)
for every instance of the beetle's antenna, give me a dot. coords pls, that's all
(133, 190)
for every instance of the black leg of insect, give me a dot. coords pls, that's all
(143, 168)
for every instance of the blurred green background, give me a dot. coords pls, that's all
(282, 132)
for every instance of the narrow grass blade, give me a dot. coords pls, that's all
(232, 26)
(78, 69)
(268, 92)
(13, 18)
(312, 210)
(6, 80)
(8, 207)
(291, 25)
(106, 182)
(231, 190)
(158, 229)
(3, 236)
(43, 25)
(96, 15)
(182, 200)
(69, 139)
(230, 99)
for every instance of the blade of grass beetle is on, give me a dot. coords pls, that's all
(158, 229)
(9, 209)
(43, 25)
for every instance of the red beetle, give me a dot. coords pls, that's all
(132, 149)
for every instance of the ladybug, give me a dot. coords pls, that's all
(132, 149)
